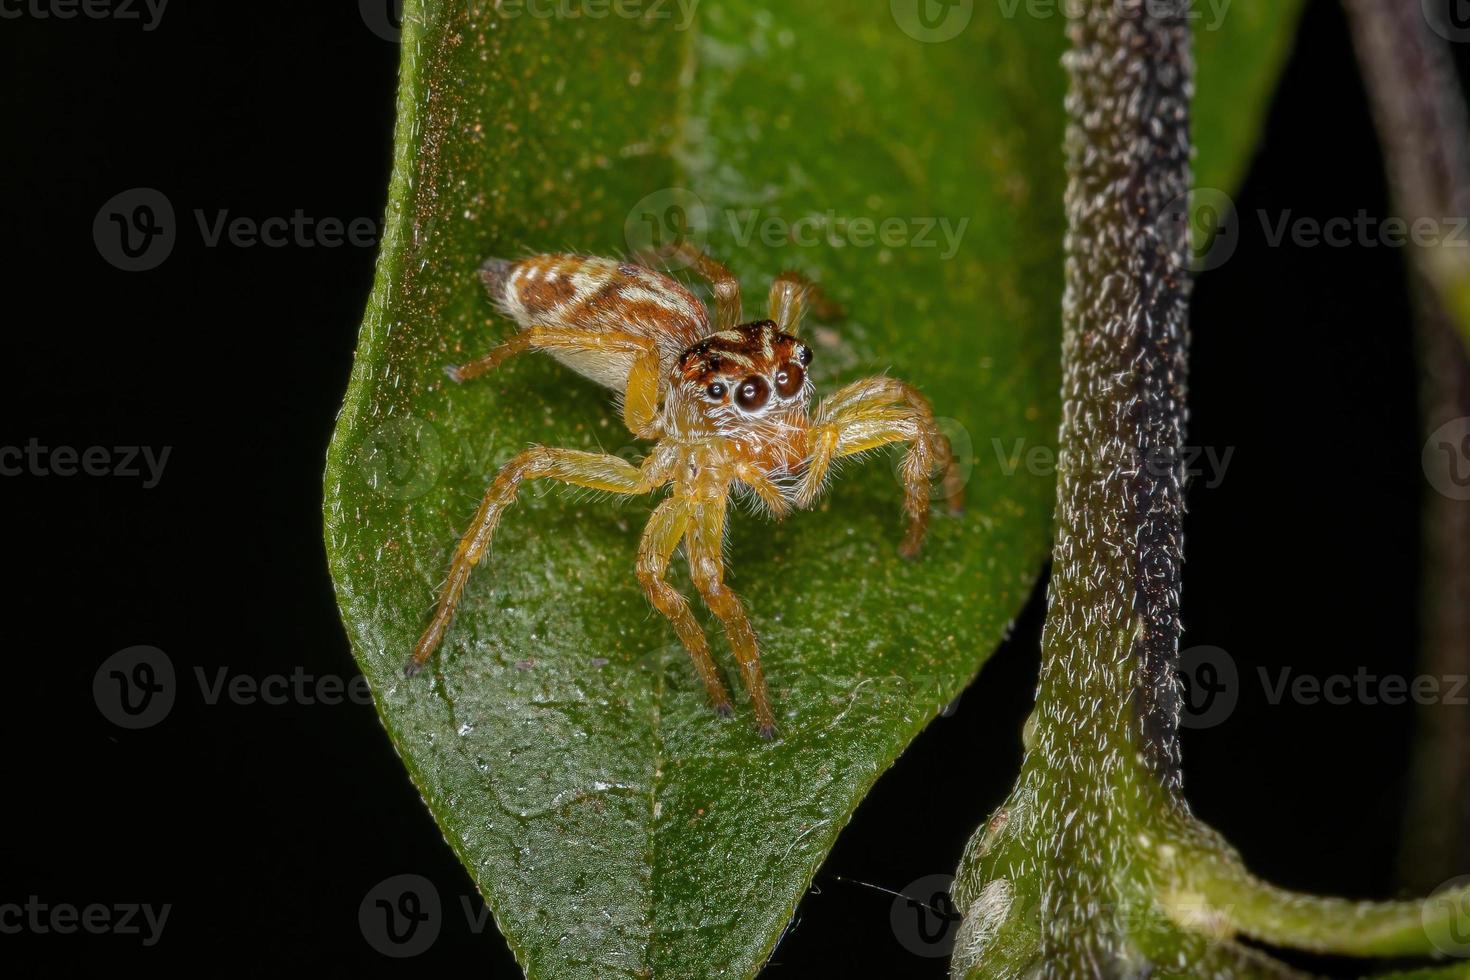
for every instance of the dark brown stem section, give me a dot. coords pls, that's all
(1422, 124)
(1415, 95)
(1436, 837)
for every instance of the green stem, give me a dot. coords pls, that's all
(1107, 694)
(1235, 902)
(1452, 971)
(1094, 867)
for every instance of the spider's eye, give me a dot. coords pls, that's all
(752, 393)
(789, 379)
(715, 391)
(805, 356)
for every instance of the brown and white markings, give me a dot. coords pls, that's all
(727, 405)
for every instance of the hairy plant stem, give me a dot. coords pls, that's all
(1102, 746)
(1422, 124)
(1094, 867)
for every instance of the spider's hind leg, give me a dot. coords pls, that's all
(640, 394)
(722, 281)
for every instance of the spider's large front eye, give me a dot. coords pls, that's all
(752, 393)
(715, 391)
(789, 379)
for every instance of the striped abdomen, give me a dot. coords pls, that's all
(596, 295)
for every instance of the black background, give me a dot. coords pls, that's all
(264, 826)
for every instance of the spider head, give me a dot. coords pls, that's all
(748, 374)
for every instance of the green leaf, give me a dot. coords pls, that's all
(614, 824)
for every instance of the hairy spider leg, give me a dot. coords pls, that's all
(724, 284)
(791, 294)
(640, 398)
(668, 525)
(874, 412)
(764, 487)
(595, 470)
(704, 545)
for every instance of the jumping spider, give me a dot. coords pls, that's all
(725, 406)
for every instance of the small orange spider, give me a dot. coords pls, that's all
(727, 406)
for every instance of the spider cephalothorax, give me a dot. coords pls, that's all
(748, 383)
(729, 407)
(752, 367)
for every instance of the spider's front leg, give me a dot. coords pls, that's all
(594, 470)
(871, 413)
(671, 520)
(791, 294)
